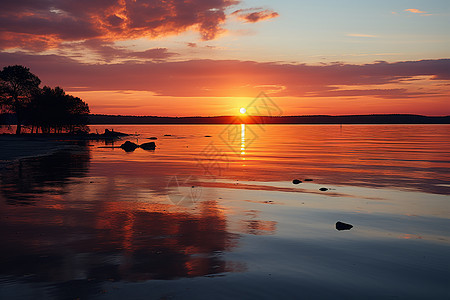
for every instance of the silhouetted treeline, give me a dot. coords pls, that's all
(53, 110)
(317, 119)
(45, 110)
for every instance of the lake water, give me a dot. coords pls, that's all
(212, 213)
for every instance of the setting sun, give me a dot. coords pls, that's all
(242, 110)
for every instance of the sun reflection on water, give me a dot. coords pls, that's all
(243, 140)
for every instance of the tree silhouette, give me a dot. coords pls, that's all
(17, 87)
(46, 109)
(53, 109)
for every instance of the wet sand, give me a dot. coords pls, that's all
(14, 147)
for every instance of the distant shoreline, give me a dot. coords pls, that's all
(325, 119)
(99, 119)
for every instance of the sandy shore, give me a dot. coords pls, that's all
(14, 147)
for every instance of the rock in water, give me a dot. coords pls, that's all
(129, 146)
(343, 226)
(148, 146)
(308, 179)
(112, 133)
(296, 181)
(153, 138)
(323, 189)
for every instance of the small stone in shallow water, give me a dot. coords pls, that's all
(296, 181)
(343, 226)
(323, 189)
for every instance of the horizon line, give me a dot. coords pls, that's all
(266, 116)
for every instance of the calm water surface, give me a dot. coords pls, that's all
(213, 213)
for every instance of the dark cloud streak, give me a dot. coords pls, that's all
(232, 78)
(253, 15)
(108, 52)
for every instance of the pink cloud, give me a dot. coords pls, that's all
(232, 78)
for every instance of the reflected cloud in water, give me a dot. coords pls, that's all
(80, 228)
(24, 180)
(100, 215)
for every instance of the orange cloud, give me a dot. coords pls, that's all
(41, 25)
(34, 42)
(415, 11)
(253, 15)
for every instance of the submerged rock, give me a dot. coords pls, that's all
(153, 138)
(323, 189)
(296, 181)
(167, 135)
(112, 133)
(129, 146)
(148, 146)
(343, 226)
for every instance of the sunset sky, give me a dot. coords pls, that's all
(212, 57)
